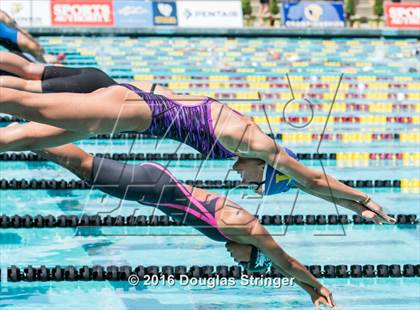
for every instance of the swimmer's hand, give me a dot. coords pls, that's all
(322, 297)
(375, 213)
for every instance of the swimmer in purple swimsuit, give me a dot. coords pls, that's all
(214, 216)
(210, 127)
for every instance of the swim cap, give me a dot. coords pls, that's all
(258, 262)
(275, 181)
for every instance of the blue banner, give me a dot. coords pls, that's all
(313, 14)
(133, 13)
(164, 13)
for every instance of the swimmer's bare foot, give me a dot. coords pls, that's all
(374, 212)
(54, 59)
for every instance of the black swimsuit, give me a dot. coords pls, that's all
(56, 79)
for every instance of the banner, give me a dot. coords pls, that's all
(210, 14)
(133, 13)
(164, 13)
(34, 13)
(313, 14)
(402, 15)
(19, 10)
(41, 14)
(90, 13)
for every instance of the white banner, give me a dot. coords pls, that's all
(209, 14)
(19, 10)
(27, 13)
(41, 13)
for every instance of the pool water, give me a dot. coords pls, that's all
(376, 73)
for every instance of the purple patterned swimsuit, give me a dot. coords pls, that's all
(190, 124)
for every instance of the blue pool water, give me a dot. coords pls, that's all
(367, 64)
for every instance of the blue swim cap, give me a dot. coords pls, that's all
(275, 181)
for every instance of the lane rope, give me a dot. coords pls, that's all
(65, 221)
(31, 184)
(29, 156)
(123, 273)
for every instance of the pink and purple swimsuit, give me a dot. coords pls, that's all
(153, 185)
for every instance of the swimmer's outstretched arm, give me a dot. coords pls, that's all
(317, 296)
(315, 182)
(273, 154)
(245, 230)
(378, 217)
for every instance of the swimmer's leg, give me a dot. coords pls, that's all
(28, 44)
(115, 178)
(102, 111)
(20, 66)
(70, 157)
(20, 84)
(57, 79)
(34, 136)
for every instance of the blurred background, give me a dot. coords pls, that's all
(248, 54)
(230, 13)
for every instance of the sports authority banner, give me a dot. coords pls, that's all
(402, 15)
(133, 13)
(209, 14)
(313, 14)
(89, 13)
